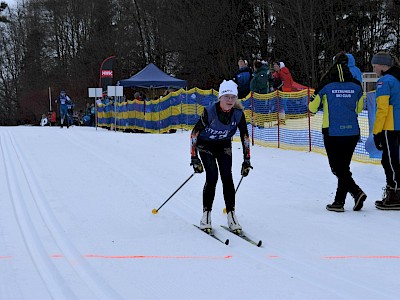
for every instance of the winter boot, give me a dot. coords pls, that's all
(233, 223)
(336, 206)
(384, 195)
(340, 197)
(205, 222)
(359, 199)
(390, 201)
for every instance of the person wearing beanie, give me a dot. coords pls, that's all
(341, 98)
(387, 126)
(211, 139)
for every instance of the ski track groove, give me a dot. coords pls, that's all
(25, 192)
(299, 269)
(302, 270)
(89, 147)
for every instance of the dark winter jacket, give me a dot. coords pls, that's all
(242, 79)
(259, 83)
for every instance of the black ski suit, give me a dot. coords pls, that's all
(218, 151)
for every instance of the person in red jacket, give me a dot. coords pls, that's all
(283, 81)
(52, 117)
(282, 73)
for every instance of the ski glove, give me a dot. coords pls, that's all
(196, 163)
(378, 140)
(246, 166)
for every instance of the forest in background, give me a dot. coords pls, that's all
(61, 44)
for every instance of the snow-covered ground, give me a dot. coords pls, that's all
(76, 223)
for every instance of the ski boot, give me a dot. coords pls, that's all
(205, 222)
(233, 223)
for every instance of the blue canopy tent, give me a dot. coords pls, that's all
(152, 77)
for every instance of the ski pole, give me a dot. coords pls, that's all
(239, 184)
(155, 211)
(240, 181)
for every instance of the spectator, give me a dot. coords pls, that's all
(137, 96)
(140, 97)
(342, 99)
(283, 77)
(259, 83)
(85, 121)
(92, 115)
(52, 117)
(357, 74)
(167, 91)
(44, 121)
(283, 81)
(387, 126)
(242, 78)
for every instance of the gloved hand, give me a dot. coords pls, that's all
(379, 140)
(197, 165)
(246, 166)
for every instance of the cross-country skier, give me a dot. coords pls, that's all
(211, 138)
(63, 100)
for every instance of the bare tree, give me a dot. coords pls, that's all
(62, 43)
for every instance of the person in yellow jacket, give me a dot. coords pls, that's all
(387, 126)
(341, 98)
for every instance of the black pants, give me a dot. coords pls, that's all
(340, 150)
(390, 158)
(212, 153)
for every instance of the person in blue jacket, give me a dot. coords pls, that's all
(211, 138)
(64, 101)
(387, 126)
(242, 78)
(341, 97)
(357, 74)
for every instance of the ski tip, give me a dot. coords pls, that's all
(227, 242)
(259, 243)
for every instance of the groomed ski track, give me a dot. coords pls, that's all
(43, 236)
(76, 223)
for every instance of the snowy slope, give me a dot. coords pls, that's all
(76, 223)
